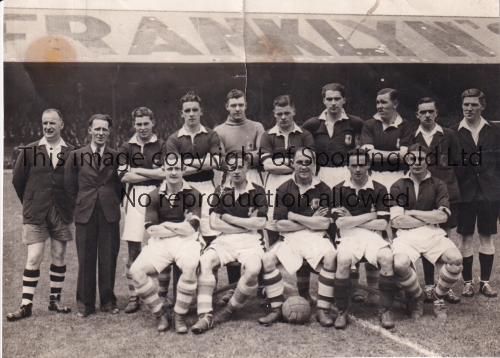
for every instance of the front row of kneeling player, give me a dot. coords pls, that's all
(308, 214)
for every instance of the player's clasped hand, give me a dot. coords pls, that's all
(341, 211)
(322, 211)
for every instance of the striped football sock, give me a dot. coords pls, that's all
(409, 282)
(372, 275)
(387, 286)
(206, 286)
(186, 290)
(303, 279)
(30, 280)
(164, 281)
(273, 282)
(57, 274)
(448, 275)
(130, 283)
(325, 288)
(244, 290)
(148, 291)
(343, 288)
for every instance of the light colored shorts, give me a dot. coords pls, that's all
(207, 188)
(273, 181)
(429, 241)
(52, 227)
(162, 252)
(361, 243)
(237, 247)
(302, 245)
(333, 176)
(135, 214)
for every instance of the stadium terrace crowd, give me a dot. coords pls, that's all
(384, 214)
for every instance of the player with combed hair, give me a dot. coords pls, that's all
(479, 184)
(240, 214)
(140, 167)
(277, 147)
(238, 134)
(335, 133)
(302, 214)
(419, 234)
(362, 206)
(172, 221)
(443, 143)
(38, 179)
(387, 137)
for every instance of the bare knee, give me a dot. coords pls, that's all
(269, 261)
(189, 271)
(35, 256)
(207, 263)
(138, 272)
(385, 257)
(329, 261)
(253, 266)
(452, 257)
(344, 262)
(401, 263)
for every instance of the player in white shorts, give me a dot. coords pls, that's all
(303, 217)
(419, 233)
(239, 211)
(140, 161)
(172, 221)
(362, 206)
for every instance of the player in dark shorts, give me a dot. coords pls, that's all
(480, 189)
(277, 145)
(444, 143)
(418, 233)
(362, 206)
(39, 183)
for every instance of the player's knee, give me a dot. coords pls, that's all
(385, 258)
(206, 264)
(137, 272)
(344, 262)
(269, 262)
(253, 266)
(329, 260)
(401, 262)
(189, 269)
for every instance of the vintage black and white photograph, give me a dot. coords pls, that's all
(251, 179)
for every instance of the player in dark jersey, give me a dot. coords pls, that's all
(140, 159)
(444, 143)
(363, 209)
(277, 147)
(172, 221)
(419, 234)
(302, 215)
(479, 184)
(239, 212)
(335, 133)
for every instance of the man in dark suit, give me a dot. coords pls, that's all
(479, 182)
(92, 183)
(38, 180)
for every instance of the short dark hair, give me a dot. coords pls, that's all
(142, 112)
(283, 101)
(474, 92)
(190, 97)
(102, 117)
(334, 87)
(55, 111)
(393, 94)
(235, 93)
(358, 152)
(426, 100)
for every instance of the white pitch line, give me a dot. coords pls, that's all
(10, 222)
(422, 351)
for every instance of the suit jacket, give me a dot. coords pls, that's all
(447, 148)
(38, 184)
(85, 183)
(487, 174)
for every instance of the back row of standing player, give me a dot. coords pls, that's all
(473, 189)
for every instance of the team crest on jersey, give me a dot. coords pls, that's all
(315, 204)
(249, 145)
(348, 139)
(397, 143)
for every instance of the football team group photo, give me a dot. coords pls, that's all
(312, 221)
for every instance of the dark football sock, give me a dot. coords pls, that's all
(467, 270)
(486, 262)
(428, 271)
(342, 292)
(387, 286)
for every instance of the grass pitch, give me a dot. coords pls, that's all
(472, 328)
